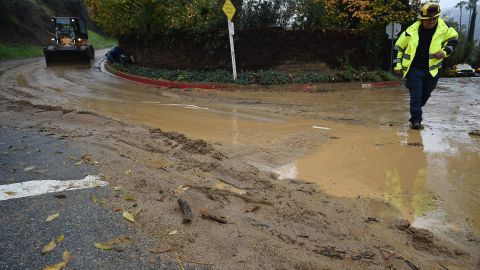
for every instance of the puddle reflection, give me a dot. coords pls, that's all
(434, 184)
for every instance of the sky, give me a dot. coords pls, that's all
(447, 4)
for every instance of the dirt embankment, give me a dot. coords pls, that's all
(242, 218)
(28, 21)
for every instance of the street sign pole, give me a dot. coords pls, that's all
(229, 11)
(231, 32)
(392, 31)
(391, 51)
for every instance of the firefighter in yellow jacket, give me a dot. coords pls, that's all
(421, 49)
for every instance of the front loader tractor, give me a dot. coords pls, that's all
(69, 42)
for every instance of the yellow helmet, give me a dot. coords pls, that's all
(429, 10)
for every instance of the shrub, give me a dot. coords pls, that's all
(262, 77)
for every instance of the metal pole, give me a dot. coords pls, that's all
(391, 51)
(232, 51)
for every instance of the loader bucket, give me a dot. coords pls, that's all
(67, 57)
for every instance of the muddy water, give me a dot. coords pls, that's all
(431, 176)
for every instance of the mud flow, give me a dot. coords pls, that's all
(351, 142)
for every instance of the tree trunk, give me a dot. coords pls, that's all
(473, 18)
(461, 19)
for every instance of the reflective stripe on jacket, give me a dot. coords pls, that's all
(445, 38)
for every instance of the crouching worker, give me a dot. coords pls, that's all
(421, 49)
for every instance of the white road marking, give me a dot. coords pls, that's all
(38, 187)
(186, 106)
(324, 128)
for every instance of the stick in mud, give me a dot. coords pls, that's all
(396, 255)
(186, 211)
(206, 214)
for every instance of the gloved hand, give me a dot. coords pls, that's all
(398, 72)
(439, 55)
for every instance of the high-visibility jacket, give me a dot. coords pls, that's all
(445, 38)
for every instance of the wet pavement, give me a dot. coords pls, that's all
(23, 227)
(432, 175)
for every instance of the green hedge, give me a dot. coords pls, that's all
(262, 77)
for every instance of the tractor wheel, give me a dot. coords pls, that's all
(91, 52)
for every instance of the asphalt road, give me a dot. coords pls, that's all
(23, 227)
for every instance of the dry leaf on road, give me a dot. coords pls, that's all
(128, 216)
(52, 217)
(93, 198)
(49, 247)
(103, 246)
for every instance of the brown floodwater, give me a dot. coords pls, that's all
(432, 176)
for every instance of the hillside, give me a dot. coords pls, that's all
(27, 21)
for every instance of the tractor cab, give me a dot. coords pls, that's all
(69, 42)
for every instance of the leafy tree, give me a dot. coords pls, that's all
(310, 14)
(147, 17)
(460, 5)
(472, 5)
(365, 14)
(261, 13)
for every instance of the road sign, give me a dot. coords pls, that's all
(393, 29)
(229, 9)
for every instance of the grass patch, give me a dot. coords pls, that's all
(18, 51)
(99, 41)
(15, 51)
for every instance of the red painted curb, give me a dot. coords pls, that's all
(162, 83)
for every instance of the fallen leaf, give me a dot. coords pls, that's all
(137, 211)
(117, 188)
(57, 266)
(59, 238)
(52, 217)
(49, 247)
(119, 240)
(29, 168)
(128, 216)
(159, 249)
(173, 232)
(129, 198)
(116, 243)
(78, 163)
(93, 198)
(127, 172)
(66, 256)
(10, 193)
(103, 246)
(118, 210)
